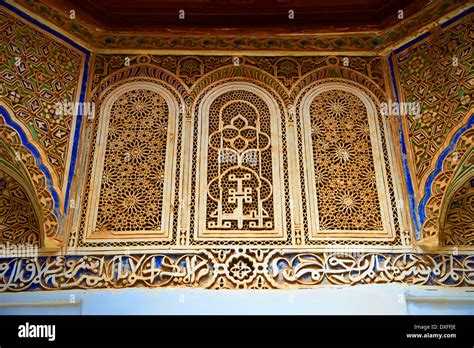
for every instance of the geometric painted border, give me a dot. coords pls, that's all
(439, 165)
(77, 127)
(406, 169)
(370, 42)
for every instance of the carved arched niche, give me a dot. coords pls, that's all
(240, 188)
(20, 218)
(134, 153)
(456, 170)
(458, 226)
(457, 208)
(345, 173)
(20, 165)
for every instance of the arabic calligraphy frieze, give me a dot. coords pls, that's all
(234, 269)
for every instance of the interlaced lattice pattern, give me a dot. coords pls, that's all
(236, 153)
(47, 72)
(459, 222)
(239, 163)
(18, 221)
(345, 174)
(131, 195)
(305, 199)
(438, 74)
(256, 166)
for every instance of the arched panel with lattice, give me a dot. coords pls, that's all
(240, 186)
(346, 177)
(134, 153)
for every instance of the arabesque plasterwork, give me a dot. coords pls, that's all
(247, 171)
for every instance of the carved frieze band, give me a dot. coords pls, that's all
(234, 269)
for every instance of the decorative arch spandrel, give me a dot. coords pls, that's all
(20, 160)
(442, 187)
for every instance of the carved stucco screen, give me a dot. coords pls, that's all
(240, 189)
(134, 153)
(232, 176)
(345, 170)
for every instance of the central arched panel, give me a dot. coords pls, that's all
(240, 190)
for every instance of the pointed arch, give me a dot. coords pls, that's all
(23, 165)
(20, 214)
(445, 184)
